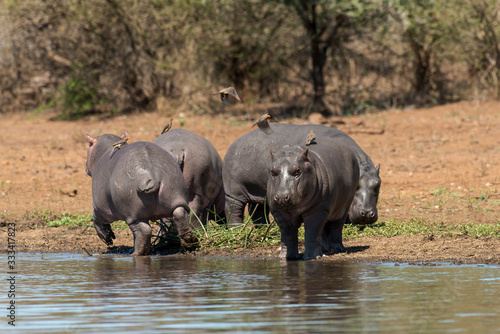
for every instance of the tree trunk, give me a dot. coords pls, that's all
(318, 55)
(422, 68)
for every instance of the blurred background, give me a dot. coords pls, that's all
(343, 57)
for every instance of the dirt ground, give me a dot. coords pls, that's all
(439, 164)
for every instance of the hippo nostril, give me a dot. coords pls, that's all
(276, 198)
(363, 213)
(371, 214)
(287, 198)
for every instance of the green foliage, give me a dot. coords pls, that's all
(46, 217)
(71, 219)
(416, 226)
(39, 217)
(81, 56)
(78, 97)
(243, 236)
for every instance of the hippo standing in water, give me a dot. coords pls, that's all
(201, 166)
(315, 186)
(137, 183)
(247, 162)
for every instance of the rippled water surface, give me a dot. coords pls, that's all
(170, 294)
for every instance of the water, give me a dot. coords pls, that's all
(57, 293)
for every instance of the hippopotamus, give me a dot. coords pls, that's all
(136, 183)
(247, 161)
(201, 166)
(316, 186)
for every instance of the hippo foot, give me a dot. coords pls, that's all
(189, 241)
(285, 255)
(335, 249)
(314, 257)
(313, 254)
(134, 253)
(105, 233)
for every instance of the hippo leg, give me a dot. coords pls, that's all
(104, 231)
(234, 211)
(142, 237)
(332, 237)
(217, 212)
(313, 226)
(258, 214)
(289, 236)
(189, 241)
(197, 215)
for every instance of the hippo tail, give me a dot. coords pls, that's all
(148, 186)
(179, 157)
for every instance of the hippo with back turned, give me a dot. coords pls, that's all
(316, 186)
(136, 183)
(201, 166)
(247, 161)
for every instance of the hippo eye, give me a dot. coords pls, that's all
(90, 144)
(274, 172)
(296, 172)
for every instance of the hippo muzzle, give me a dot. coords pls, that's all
(363, 216)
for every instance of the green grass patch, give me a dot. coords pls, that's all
(71, 219)
(417, 226)
(46, 217)
(243, 236)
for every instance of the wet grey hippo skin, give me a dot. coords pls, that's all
(137, 183)
(201, 166)
(315, 186)
(247, 161)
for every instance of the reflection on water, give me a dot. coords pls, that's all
(169, 294)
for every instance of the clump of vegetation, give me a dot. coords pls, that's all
(38, 217)
(71, 219)
(414, 226)
(46, 217)
(243, 236)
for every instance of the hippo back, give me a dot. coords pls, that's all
(139, 181)
(247, 160)
(200, 163)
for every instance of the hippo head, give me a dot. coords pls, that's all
(98, 146)
(291, 178)
(363, 209)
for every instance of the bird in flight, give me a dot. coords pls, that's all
(225, 92)
(263, 123)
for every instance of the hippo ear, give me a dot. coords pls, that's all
(378, 169)
(124, 135)
(305, 154)
(91, 139)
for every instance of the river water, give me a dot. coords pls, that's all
(69, 293)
